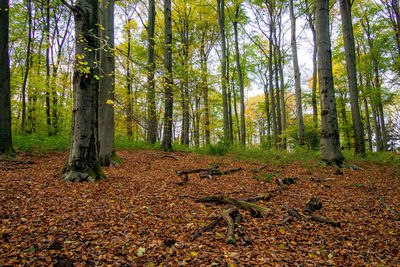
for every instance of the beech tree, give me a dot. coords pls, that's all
(5, 114)
(330, 142)
(168, 81)
(349, 48)
(107, 154)
(83, 162)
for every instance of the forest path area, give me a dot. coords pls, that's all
(144, 215)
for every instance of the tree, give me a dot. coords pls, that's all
(107, 154)
(151, 93)
(83, 162)
(349, 48)
(166, 144)
(240, 77)
(221, 22)
(299, 109)
(330, 143)
(5, 114)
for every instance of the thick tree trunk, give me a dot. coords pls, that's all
(83, 163)
(330, 143)
(5, 106)
(168, 82)
(299, 108)
(107, 155)
(151, 93)
(241, 87)
(221, 21)
(349, 47)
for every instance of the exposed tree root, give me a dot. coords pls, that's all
(311, 205)
(169, 156)
(213, 172)
(208, 227)
(204, 173)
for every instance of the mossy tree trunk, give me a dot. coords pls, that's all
(83, 163)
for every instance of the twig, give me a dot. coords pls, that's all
(169, 156)
(393, 211)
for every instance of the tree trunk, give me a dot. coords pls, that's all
(83, 163)
(241, 87)
(330, 143)
(221, 21)
(168, 82)
(48, 118)
(204, 82)
(299, 109)
(271, 92)
(27, 65)
(107, 155)
(129, 106)
(267, 112)
(5, 114)
(367, 117)
(278, 102)
(282, 96)
(151, 93)
(349, 48)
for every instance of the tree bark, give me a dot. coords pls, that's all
(349, 48)
(129, 105)
(83, 163)
(5, 114)
(271, 90)
(240, 78)
(107, 154)
(27, 65)
(299, 109)
(48, 116)
(330, 143)
(168, 82)
(221, 22)
(151, 93)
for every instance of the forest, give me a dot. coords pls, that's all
(208, 132)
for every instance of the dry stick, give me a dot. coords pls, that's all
(393, 211)
(294, 213)
(169, 156)
(194, 171)
(212, 172)
(208, 227)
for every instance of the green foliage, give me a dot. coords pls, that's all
(125, 143)
(39, 143)
(219, 149)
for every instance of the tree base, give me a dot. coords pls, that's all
(92, 175)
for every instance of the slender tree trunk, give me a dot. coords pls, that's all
(168, 81)
(203, 63)
(271, 92)
(278, 102)
(129, 106)
(151, 93)
(299, 108)
(5, 105)
(282, 99)
(267, 112)
(221, 21)
(241, 87)
(107, 154)
(346, 126)
(83, 163)
(196, 121)
(27, 65)
(330, 142)
(368, 124)
(229, 95)
(349, 47)
(235, 108)
(48, 112)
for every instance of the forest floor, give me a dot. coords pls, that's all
(141, 216)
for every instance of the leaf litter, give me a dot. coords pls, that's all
(139, 215)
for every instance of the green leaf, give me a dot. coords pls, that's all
(140, 252)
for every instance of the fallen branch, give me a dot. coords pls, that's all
(230, 234)
(213, 172)
(396, 215)
(169, 156)
(208, 227)
(262, 167)
(14, 168)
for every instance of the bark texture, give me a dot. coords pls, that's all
(349, 48)
(330, 143)
(83, 163)
(299, 109)
(5, 114)
(168, 82)
(106, 84)
(151, 93)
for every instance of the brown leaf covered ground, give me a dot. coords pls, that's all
(139, 216)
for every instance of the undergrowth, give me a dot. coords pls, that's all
(42, 144)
